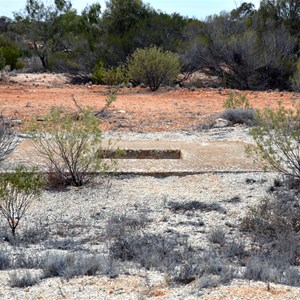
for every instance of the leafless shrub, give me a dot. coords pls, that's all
(119, 225)
(272, 216)
(217, 236)
(8, 139)
(5, 261)
(22, 280)
(194, 205)
(69, 265)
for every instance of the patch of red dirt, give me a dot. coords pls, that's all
(135, 109)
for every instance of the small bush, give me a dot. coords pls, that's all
(217, 236)
(20, 64)
(195, 205)
(18, 189)
(153, 66)
(5, 261)
(119, 225)
(22, 280)
(238, 110)
(110, 76)
(271, 268)
(277, 140)
(245, 116)
(150, 250)
(11, 56)
(8, 138)
(272, 216)
(27, 261)
(110, 99)
(236, 101)
(235, 249)
(76, 264)
(35, 233)
(71, 144)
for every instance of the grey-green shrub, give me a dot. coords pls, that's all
(277, 140)
(22, 280)
(69, 265)
(71, 144)
(17, 191)
(153, 66)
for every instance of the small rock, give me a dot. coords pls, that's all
(220, 123)
(15, 122)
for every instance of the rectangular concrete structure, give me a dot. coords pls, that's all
(196, 157)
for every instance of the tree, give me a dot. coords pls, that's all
(243, 57)
(18, 189)
(277, 140)
(245, 10)
(4, 23)
(153, 67)
(71, 145)
(43, 27)
(122, 21)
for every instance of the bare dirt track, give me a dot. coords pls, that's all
(136, 109)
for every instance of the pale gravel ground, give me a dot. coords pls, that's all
(89, 208)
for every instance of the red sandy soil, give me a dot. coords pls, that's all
(136, 109)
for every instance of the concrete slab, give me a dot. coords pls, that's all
(196, 157)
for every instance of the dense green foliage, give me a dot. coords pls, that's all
(153, 66)
(110, 76)
(244, 48)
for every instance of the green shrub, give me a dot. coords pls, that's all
(238, 110)
(277, 140)
(71, 144)
(2, 60)
(17, 191)
(236, 101)
(109, 76)
(295, 79)
(153, 66)
(11, 56)
(20, 64)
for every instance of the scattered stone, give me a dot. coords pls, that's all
(221, 123)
